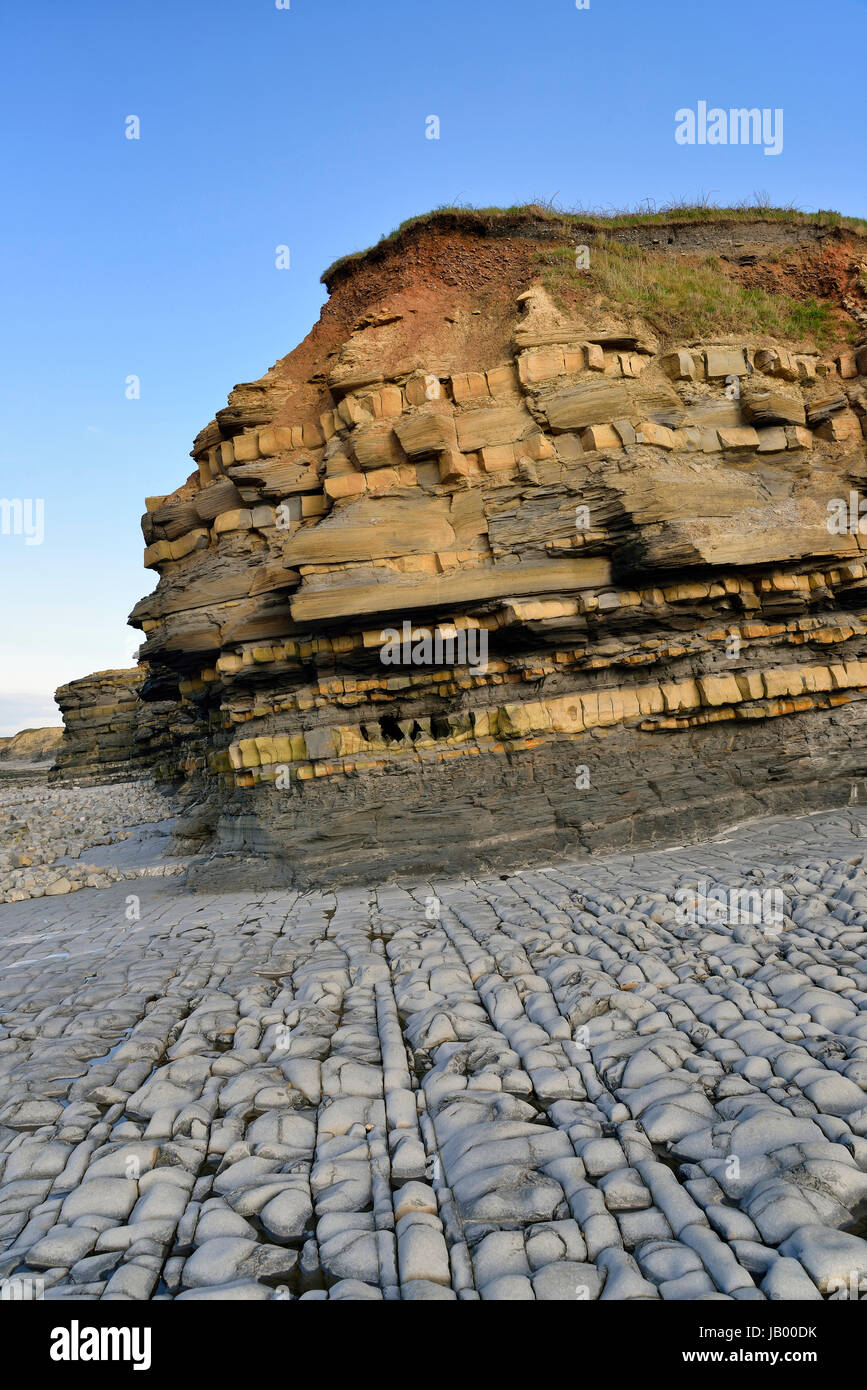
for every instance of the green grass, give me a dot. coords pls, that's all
(551, 220)
(679, 298)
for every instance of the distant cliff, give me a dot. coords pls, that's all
(31, 746)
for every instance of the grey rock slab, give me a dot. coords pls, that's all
(511, 1288)
(687, 1288)
(351, 1255)
(111, 1197)
(227, 1259)
(354, 1291)
(568, 1281)
(288, 1215)
(221, 1221)
(421, 1249)
(509, 1193)
(239, 1291)
(37, 1159)
(423, 1291)
(62, 1246)
(624, 1190)
(786, 1281)
(831, 1258)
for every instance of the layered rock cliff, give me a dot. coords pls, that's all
(109, 733)
(650, 532)
(31, 746)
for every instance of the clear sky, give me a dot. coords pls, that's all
(306, 127)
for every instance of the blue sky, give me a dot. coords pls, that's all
(305, 127)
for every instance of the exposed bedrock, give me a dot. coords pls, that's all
(507, 811)
(109, 734)
(601, 549)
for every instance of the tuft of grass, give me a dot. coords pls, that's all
(546, 218)
(680, 297)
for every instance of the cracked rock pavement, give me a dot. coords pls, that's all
(546, 1085)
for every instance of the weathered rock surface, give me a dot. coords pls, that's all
(590, 1080)
(55, 841)
(110, 734)
(644, 537)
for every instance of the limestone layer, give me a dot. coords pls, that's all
(654, 544)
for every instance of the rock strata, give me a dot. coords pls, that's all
(653, 543)
(110, 734)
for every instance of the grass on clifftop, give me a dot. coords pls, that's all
(590, 220)
(678, 298)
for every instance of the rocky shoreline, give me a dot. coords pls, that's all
(54, 841)
(541, 1085)
(337, 967)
